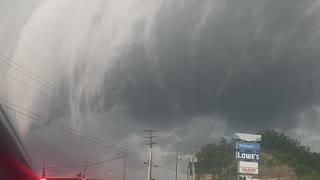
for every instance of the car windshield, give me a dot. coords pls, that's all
(160, 89)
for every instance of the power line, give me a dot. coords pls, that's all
(98, 143)
(56, 99)
(52, 170)
(95, 153)
(57, 127)
(101, 162)
(44, 118)
(155, 162)
(80, 135)
(57, 89)
(38, 115)
(93, 141)
(135, 154)
(60, 128)
(53, 87)
(88, 165)
(54, 126)
(132, 153)
(169, 168)
(137, 169)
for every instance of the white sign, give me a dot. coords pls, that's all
(247, 156)
(248, 137)
(248, 167)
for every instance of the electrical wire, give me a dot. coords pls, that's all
(83, 165)
(137, 169)
(122, 150)
(47, 84)
(80, 135)
(54, 98)
(133, 154)
(57, 89)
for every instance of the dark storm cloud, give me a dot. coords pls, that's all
(254, 63)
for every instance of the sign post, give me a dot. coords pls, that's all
(248, 155)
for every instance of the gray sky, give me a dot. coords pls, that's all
(194, 70)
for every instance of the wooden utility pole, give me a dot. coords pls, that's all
(193, 167)
(85, 169)
(188, 170)
(177, 160)
(150, 137)
(125, 160)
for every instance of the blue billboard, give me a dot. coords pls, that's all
(247, 146)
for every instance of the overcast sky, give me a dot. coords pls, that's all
(195, 70)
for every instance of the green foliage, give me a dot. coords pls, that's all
(313, 176)
(290, 152)
(216, 159)
(219, 158)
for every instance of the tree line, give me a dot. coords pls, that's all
(218, 159)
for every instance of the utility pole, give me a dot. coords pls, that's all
(211, 161)
(188, 170)
(227, 151)
(193, 157)
(43, 170)
(125, 160)
(110, 175)
(150, 137)
(177, 160)
(85, 169)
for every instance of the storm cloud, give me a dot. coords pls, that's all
(197, 70)
(254, 63)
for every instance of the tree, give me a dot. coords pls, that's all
(218, 158)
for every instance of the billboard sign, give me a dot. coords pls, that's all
(248, 137)
(247, 146)
(247, 156)
(248, 167)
